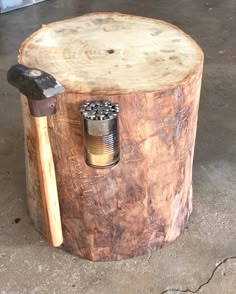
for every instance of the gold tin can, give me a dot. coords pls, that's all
(101, 133)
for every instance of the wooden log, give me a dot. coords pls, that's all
(153, 70)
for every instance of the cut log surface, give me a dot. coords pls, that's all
(153, 70)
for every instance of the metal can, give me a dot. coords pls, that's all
(101, 133)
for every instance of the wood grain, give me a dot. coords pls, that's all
(48, 184)
(113, 53)
(145, 201)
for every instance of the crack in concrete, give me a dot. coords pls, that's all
(149, 257)
(149, 262)
(203, 284)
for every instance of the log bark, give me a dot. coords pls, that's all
(153, 70)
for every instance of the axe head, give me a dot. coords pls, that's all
(38, 86)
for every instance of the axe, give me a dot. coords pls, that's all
(41, 89)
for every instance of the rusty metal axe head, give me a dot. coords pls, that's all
(38, 86)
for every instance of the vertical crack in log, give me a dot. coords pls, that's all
(175, 290)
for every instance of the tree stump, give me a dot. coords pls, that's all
(153, 70)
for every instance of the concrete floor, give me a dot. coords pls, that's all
(203, 259)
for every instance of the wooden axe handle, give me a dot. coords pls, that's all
(48, 184)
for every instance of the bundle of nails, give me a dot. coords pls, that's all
(99, 110)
